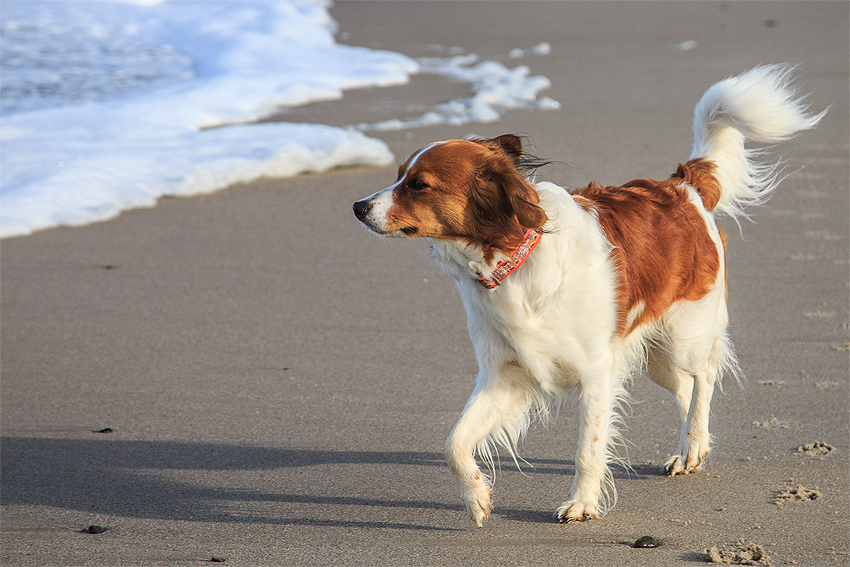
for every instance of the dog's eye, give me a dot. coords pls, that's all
(417, 184)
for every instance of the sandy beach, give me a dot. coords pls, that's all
(250, 377)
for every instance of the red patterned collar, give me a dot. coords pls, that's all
(506, 267)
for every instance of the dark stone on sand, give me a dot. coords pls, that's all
(646, 541)
(94, 530)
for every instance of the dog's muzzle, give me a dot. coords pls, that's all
(372, 211)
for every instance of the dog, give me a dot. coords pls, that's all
(584, 288)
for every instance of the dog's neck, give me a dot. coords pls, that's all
(466, 261)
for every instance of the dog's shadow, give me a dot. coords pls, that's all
(189, 481)
(136, 479)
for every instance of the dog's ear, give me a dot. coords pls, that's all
(528, 213)
(502, 193)
(505, 194)
(508, 144)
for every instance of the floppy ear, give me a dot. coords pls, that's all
(515, 195)
(509, 144)
(528, 213)
(505, 194)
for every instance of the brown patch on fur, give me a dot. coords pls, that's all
(699, 174)
(662, 246)
(468, 190)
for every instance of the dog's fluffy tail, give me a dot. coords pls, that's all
(760, 105)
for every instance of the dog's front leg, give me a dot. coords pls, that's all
(595, 434)
(495, 412)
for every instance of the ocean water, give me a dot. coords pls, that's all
(107, 106)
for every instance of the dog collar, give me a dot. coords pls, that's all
(506, 267)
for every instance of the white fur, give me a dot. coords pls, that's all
(380, 203)
(760, 105)
(547, 328)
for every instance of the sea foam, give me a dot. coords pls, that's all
(107, 106)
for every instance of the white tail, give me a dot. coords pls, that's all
(760, 105)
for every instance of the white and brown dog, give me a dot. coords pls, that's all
(581, 289)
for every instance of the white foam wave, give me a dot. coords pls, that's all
(496, 89)
(108, 106)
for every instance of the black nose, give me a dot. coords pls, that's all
(361, 209)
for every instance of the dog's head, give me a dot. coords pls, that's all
(468, 190)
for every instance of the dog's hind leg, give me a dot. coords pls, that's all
(683, 386)
(695, 440)
(497, 412)
(699, 348)
(662, 371)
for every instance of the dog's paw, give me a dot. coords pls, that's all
(479, 511)
(675, 465)
(574, 511)
(478, 499)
